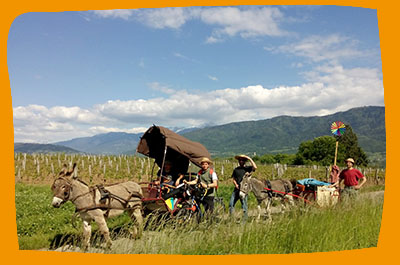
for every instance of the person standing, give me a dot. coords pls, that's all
(208, 180)
(353, 179)
(237, 177)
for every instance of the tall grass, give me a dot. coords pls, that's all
(349, 225)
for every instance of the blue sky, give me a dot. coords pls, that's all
(76, 74)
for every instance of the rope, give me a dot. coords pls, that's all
(284, 193)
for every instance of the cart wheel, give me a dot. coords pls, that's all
(187, 214)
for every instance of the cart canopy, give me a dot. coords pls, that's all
(179, 150)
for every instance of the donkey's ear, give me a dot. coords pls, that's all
(71, 171)
(64, 170)
(74, 172)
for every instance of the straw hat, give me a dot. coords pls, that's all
(350, 160)
(205, 160)
(238, 157)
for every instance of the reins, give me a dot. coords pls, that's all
(134, 197)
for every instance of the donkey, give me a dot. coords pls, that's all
(265, 197)
(98, 202)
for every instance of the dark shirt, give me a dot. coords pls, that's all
(239, 172)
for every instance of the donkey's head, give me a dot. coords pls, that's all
(245, 185)
(62, 186)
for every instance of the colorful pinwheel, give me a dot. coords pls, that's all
(338, 128)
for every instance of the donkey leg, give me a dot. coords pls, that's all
(259, 211)
(268, 208)
(87, 231)
(137, 218)
(103, 228)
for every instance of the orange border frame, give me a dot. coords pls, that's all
(388, 240)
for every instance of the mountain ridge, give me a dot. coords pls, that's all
(281, 134)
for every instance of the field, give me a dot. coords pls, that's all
(304, 229)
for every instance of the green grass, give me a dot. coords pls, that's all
(305, 229)
(309, 230)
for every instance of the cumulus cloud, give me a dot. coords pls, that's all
(232, 21)
(247, 22)
(330, 88)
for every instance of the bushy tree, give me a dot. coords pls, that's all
(348, 147)
(321, 150)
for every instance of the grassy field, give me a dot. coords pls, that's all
(304, 229)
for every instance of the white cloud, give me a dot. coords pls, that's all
(322, 48)
(227, 21)
(330, 88)
(213, 78)
(162, 88)
(160, 18)
(232, 21)
(115, 13)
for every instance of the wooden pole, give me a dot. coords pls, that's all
(337, 143)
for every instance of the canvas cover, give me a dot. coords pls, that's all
(179, 149)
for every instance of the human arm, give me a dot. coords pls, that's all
(190, 182)
(362, 181)
(253, 164)
(213, 184)
(178, 181)
(235, 183)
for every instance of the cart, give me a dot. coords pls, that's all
(162, 144)
(318, 192)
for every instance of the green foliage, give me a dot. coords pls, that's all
(321, 150)
(351, 148)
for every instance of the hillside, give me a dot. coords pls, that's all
(42, 148)
(283, 134)
(108, 143)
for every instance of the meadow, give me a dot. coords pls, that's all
(304, 229)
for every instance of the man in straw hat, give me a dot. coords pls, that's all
(237, 177)
(353, 179)
(208, 180)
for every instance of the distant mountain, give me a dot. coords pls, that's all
(283, 134)
(107, 143)
(42, 148)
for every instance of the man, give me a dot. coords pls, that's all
(353, 179)
(237, 177)
(208, 180)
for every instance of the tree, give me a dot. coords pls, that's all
(321, 150)
(348, 144)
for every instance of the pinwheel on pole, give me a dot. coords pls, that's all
(337, 128)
